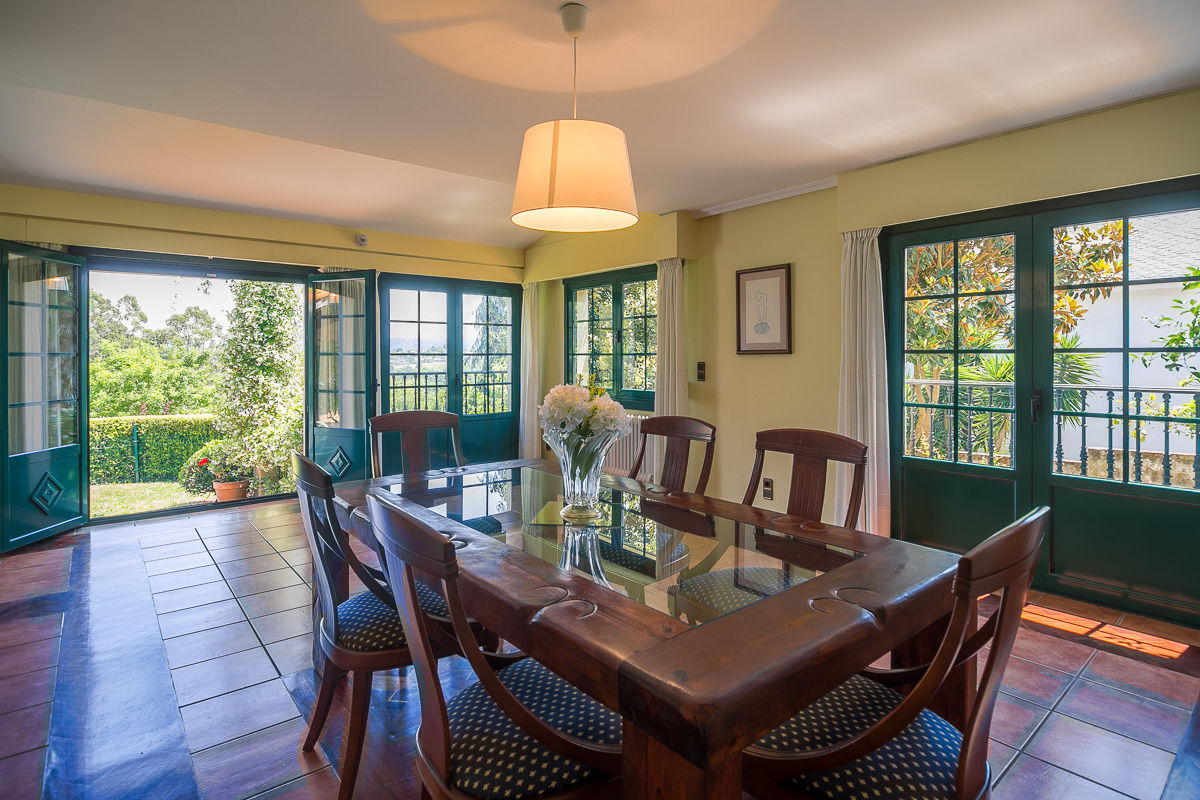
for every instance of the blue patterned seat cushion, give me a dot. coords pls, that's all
(493, 758)
(485, 525)
(367, 624)
(726, 590)
(919, 764)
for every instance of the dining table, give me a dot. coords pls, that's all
(705, 623)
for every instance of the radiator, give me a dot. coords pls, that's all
(624, 452)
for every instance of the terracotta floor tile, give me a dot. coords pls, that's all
(221, 719)
(24, 630)
(188, 597)
(177, 563)
(276, 600)
(1035, 683)
(249, 566)
(292, 655)
(294, 542)
(168, 537)
(22, 730)
(34, 558)
(21, 776)
(184, 578)
(298, 557)
(256, 763)
(215, 530)
(185, 548)
(318, 785)
(1137, 717)
(264, 581)
(242, 551)
(221, 675)
(284, 625)
(1015, 720)
(1031, 779)
(288, 531)
(1166, 630)
(1051, 652)
(24, 658)
(1109, 759)
(233, 540)
(999, 757)
(40, 584)
(1147, 680)
(39, 573)
(191, 620)
(27, 689)
(212, 643)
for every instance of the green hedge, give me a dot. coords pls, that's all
(147, 448)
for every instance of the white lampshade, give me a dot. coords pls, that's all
(574, 177)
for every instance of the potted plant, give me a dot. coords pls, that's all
(213, 466)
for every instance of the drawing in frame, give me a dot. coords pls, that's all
(764, 309)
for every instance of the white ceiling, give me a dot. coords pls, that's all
(407, 115)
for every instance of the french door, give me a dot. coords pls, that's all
(340, 360)
(453, 346)
(43, 381)
(1055, 358)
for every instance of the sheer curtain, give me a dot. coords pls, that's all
(863, 406)
(671, 389)
(531, 373)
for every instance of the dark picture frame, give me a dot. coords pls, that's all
(764, 310)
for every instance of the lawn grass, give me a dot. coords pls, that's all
(114, 499)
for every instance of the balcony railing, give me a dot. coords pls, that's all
(484, 392)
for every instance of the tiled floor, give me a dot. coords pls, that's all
(172, 659)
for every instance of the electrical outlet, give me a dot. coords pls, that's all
(700, 370)
(768, 488)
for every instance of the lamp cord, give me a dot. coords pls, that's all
(574, 77)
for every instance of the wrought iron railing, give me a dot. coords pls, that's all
(484, 391)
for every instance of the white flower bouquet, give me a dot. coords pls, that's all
(580, 423)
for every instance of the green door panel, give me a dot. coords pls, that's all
(45, 494)
(953, 510)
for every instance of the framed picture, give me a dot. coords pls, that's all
(764, 309)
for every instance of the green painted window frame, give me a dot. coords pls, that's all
(637, 400)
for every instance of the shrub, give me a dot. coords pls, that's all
(215, 461)
(163, 444)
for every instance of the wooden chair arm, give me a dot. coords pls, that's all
(909, 675)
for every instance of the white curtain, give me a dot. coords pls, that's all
(671, 389)
(531, 374)
(863, 406)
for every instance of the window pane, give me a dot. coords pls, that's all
(987, 264)
(402, 305)
(1089, 253)
(986, 380)
(500, 310)
(927, 432)
(1164, 245)
(474, 338)
(404, 337)
(929, 269)
(929, 324)
(433, 306)
(928, 378)
(1089, 317)
(433, 338)
(985, 437)
(1163, 315)
(985, 322)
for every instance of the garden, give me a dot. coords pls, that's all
(200, 407)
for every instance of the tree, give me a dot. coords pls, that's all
(1084, 255)
(261, 393)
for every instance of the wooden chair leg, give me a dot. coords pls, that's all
(320, 710)
(354, 735)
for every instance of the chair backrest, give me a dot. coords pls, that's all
(412, 548)
(1004, 562)
(679, 432)
(326, 539)
(811, 453)
(414, 428)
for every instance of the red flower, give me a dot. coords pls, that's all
(202, 462)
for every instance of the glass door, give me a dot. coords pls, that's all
(452, 346)
(340, 361)
(45, 464)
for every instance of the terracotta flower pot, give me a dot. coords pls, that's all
(231, 490)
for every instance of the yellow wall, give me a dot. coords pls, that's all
(71, 218)
(652, 239)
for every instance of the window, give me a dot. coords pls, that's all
(612, 333)
(958, 350)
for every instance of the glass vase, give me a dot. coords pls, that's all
(581, 550)
(581, 459)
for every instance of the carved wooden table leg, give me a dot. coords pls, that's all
(957, 695)
(654, 771)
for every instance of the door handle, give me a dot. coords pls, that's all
(1035, 405)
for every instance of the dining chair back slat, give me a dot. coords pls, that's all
(679, 432)
(413, 428)
(811, 452)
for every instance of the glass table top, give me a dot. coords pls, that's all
(684, 563)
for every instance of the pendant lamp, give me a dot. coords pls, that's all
(574, 173)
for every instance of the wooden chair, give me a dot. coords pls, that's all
(414, 428)
(811, 453)
(490, 739)
(679, 432)
(701, 595)
(362, 634)
(864, 739)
